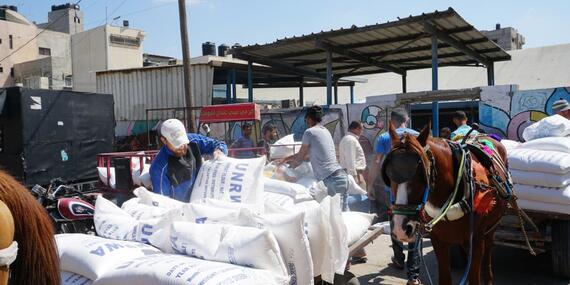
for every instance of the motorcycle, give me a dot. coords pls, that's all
(67, 207)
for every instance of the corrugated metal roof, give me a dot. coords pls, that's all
(393, 46)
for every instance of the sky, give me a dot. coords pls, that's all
(542, 23)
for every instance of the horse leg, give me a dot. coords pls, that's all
(441, 250)
(487, 259)
(476, 259)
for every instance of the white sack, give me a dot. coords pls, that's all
(510, 144)
(357, 225)
(540, 178)
(286, 146)
(354, 188)
(244, 246)
(336, 251)
(543, 207)
(561, 144)
(152, 199)
(298, 192)
(93, 256)
(543, 194)
(167, 269)
(287, 227)
(70, 278)
(539, 160)
(103, 176)
(114, 223)
(282, 200)
(551, 126)
(141, 211)
(230, 179)
(141, 178)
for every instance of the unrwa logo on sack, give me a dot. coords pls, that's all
(236, 181)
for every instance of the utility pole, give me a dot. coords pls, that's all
(186, 61)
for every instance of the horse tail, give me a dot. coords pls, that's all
(38, 260)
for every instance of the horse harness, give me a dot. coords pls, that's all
(455, 208)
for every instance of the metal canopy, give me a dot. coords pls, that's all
(390, 47)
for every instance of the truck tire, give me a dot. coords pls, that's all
(561, 248)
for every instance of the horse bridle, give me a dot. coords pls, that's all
(429, 173)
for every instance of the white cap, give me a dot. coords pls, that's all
(174, 132)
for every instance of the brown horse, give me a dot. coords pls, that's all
(423, 173)
(37, 261)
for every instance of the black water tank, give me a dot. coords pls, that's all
(9, 7)
(236, 45)
(223, 49)
(209, 48)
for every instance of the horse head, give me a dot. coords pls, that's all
(407, 169)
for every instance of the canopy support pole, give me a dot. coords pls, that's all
(249, 81)
(434, 87)
(329, 78)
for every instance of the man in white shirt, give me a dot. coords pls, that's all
(351, 155)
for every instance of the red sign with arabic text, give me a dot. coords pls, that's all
(230, 113)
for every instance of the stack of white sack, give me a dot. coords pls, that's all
(541, 172)
(86, 259)
(303, 238)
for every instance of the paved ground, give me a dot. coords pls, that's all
(511, 266)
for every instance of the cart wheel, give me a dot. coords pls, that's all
(561, 248)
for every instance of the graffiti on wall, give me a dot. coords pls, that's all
(508, 113)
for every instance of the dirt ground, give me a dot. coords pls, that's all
(511, 266)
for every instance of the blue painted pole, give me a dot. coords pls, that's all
(301, 95)
(228, 87)
(249, 81)
(435, 104)
(234, 91)
(329, 78)
(352, 93)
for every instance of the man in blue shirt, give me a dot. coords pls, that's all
(176, 165)
(245, 143)
(460, 120)
(398, 119)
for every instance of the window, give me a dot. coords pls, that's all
(1, 69)
(45, 51)
(12, 72)
(10, 42)
(0, 41)
(125, 40)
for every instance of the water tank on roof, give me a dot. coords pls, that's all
(208, 48)
(9, 7)
(236, 45)
(223, 49)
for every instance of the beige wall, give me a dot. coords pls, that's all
(88, 53)
(22, 31)
(92, 51)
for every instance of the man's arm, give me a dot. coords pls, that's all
(208, 145)
(298, 158)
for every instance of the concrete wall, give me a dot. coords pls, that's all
(21, 31)
(56, 69)
(68, 21)
(92, 51)
(89, 54)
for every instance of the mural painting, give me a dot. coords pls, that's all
(508, 113)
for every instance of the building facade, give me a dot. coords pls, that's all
(104, 48)
(507, 38)
(37, 56)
